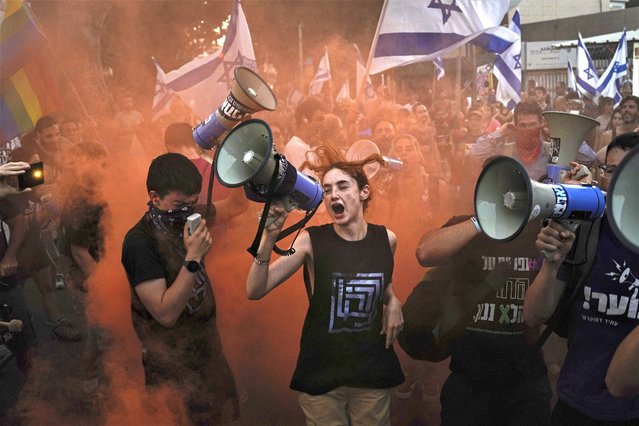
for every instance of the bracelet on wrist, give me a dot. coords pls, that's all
(260, 262)
(473, 219)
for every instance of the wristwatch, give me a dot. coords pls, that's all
(191, 265)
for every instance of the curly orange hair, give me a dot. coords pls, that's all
(328, 157)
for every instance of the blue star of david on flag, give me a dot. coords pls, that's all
(227, 75)
(517, 59)
(446, 9)
(588, 73)
(611, 80)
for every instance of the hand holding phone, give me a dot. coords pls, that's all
(192, 222)
(34, 176)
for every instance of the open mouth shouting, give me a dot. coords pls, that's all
(337, 208)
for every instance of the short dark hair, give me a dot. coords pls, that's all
(527, 108)
(173, 172)
(625, 142)
(542, 88)
(44, 122)
(633, 98)
(178, 135)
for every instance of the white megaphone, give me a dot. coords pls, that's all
(248, 95)
(623, 201)
(364, 148)
(506, 199)
(247, 157)
(567, 132)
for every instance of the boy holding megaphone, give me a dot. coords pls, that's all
(598, 383)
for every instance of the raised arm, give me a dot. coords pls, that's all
(234, 205)
(546, 290)
(263, 275)
(437, 246)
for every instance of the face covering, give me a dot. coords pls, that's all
(170, 220)
(528, 144)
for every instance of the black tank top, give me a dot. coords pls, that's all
(341, 344)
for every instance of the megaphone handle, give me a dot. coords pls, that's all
(209, 192)
(267, 207)
(288, 231)
(571, 225)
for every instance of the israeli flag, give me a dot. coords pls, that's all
(412, 31)
(440, 72)
(360, 71)
(611, 80)
(587, 77)
(572, 82)
(203, 84)
(507, 69)
(344, 93)
(323, 74)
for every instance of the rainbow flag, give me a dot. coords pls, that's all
(27, 88)
(20, 37)
(26, 96)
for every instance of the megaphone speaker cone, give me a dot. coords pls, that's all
(255, 92)
(502, 181)
(570, 129)
(246, 155)
(506, 200)
(623, 201)
(248, 95)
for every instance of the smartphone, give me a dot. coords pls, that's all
(32, 177)
(193, 221)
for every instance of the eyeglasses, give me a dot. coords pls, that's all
(607, 171)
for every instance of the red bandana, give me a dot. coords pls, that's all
(528, 145)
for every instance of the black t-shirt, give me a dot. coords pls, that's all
(189, 355)
(494, 349)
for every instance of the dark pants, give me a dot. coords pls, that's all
(564, 415)
(525, 404)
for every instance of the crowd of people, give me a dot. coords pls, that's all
(377, 230)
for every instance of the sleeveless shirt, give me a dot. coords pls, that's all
(341, 344)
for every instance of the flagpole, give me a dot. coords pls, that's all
(301, 54)
(432, 100)
(458, 76)
(371, 53)
(474, 72)
(69, 82)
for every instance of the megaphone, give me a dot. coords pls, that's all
(363, 148)
(567, 132)
(623, 201)
(247, 157)
(506, 199)
(248, 95)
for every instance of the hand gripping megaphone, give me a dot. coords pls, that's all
(506, 199)
(623, 201)
(363, 148)
(567, 132)
(248, 158)
(248, 95)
